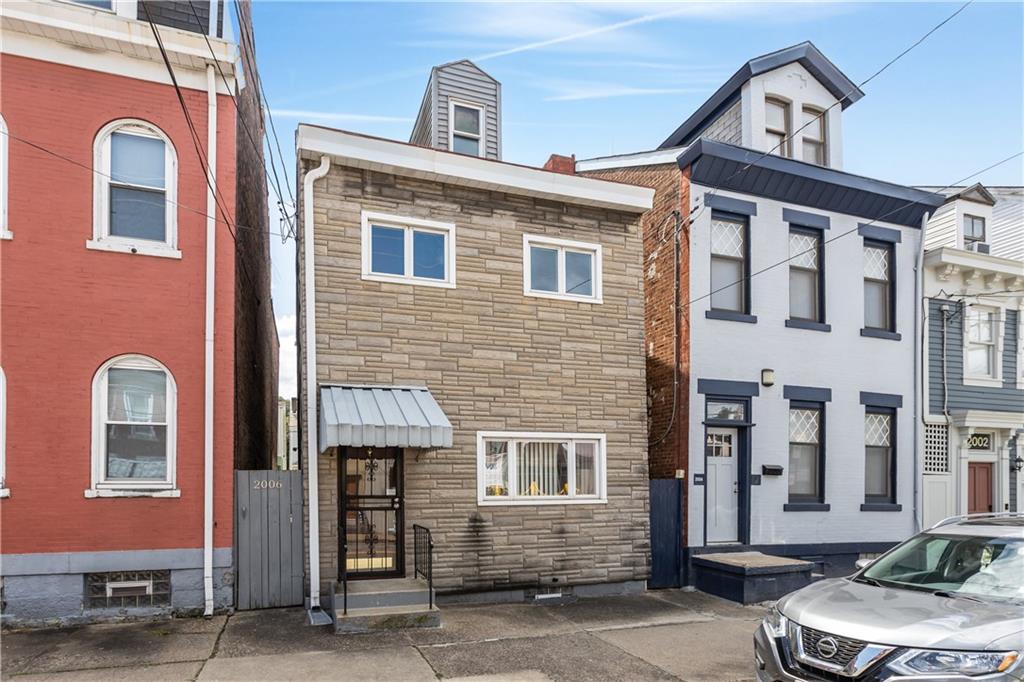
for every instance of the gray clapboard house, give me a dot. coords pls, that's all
(974, 383)
(460, 92)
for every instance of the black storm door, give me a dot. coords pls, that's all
(371, 525)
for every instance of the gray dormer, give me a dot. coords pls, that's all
(461, 92)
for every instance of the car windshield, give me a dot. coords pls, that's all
(979, 567)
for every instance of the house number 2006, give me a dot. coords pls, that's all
(262, 485)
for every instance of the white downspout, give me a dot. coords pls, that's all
(919, 398)
(309, 345)
(211, 262)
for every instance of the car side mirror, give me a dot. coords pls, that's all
(863, 563)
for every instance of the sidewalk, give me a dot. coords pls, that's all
(660, 635)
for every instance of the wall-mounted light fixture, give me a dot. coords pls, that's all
(1017, 463)
(767, 377)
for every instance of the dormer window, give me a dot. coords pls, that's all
(465, 136)
(974, 229)
(814, 136)
(776, 126)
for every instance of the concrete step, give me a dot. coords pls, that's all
(386, 618)
(384, 593)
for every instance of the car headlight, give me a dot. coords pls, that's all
(775, 622)
(923, 661)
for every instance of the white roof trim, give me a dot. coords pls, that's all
(404, 159)
(651, 158)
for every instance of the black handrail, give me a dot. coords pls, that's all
(344, 576)
(423, 551)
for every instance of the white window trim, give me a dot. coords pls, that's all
(602, 468)
(370, 218)
(999, 322)
(824, 142)
(562, 245)
(787, 136)
(481, 137)
(4, 490)
(102, 488)
(5, 228)
(102, 240)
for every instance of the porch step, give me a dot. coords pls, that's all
(750, 577)
(372, 619)
(384, 593)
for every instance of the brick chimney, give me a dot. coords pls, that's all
(561, 164)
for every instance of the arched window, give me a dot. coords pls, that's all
(5, 228)
(134, 426)
(135, 197)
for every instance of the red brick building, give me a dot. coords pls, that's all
(117, 309)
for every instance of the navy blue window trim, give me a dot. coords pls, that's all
(807, 393)
(795, 217)
(730, 205)
(881, 234)
(881, 334)
(881, 399)
(735, 389)
(730, 315)
(806, 507)
(808, 324)
(881, 507)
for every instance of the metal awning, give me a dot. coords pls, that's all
(382, 416)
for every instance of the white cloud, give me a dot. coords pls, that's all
(288, 368)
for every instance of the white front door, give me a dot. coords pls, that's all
(722, 485)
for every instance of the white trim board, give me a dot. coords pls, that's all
(656, 157)
(389, 156)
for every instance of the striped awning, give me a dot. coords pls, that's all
(382, 416)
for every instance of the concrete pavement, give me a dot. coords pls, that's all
(660, 635)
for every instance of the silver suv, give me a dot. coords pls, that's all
(947, 604)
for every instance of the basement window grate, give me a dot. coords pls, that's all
(936, 449)
(127, 589)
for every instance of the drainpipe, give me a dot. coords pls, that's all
(919, 332)
(312, 449)
(211, 261)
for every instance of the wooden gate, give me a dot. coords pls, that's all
(666, 533)
(268, 539)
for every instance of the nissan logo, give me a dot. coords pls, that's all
(827, 647)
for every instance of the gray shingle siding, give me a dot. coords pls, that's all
(178, 14)
(1007, 398)
(461, 81)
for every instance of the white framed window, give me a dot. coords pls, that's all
(776, 126)
(815, 148)
(4, 491)
(879, 301)
(974, 229)
(466, 126)
(983, 345)
(5, 228)
(805, 276)
(525, 468)
(730, 264)
(563, 269)
(408, 250)
(134, 404)
(135, 190)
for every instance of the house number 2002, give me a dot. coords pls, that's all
(262, 485)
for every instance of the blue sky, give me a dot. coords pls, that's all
(597, 79)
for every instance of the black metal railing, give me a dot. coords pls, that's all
(423, 550)
(343, 565)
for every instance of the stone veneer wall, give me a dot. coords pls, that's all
(495, 360)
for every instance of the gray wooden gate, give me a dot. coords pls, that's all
(268, 539)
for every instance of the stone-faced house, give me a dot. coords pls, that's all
(471, 360)
(785, 392)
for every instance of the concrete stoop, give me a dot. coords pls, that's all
(392, 604)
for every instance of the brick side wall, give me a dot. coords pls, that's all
(256, 343)
(495, 360)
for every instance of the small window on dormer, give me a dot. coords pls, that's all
(466, 132)
(814, 136)
(974, 229)
(776, 119)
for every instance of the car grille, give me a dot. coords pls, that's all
(847, 649)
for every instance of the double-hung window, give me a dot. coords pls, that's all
(135, 190)
(540, 468)
(729, 264)
(559, 268)
(806, 301)
(879, 302)
(776, 126)
(879, 455)
(408, 250)
(974, 230)
(466, 134)
(134, 408)
(814, 145)
(806, 452)
(981, 347)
